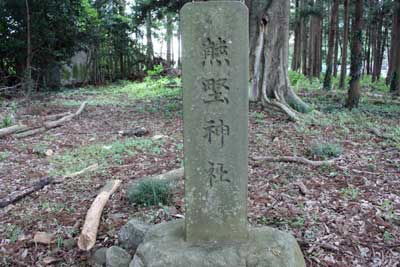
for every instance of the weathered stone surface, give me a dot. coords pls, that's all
(98, 259)
(132, 234)
(215, 82)
(164, 246)
(117, 257)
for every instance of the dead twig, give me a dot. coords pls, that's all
(16, 196)
(296, 159)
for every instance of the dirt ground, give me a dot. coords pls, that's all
(342, 215)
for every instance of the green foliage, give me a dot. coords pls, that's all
(4, 155)
(150, 193)
(155, 72)
(325, 150)
(6, 122)
(102, 154)
(301, 82)
(12, 232)
(350, 192)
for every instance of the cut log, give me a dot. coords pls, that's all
(13, 129)
(87, 239)
(299, 160)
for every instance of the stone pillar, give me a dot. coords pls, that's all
(215, 100)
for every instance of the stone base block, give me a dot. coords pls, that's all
(164, 246)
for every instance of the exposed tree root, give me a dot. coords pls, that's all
(13, 129)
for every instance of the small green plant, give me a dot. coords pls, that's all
(150, 193)
(4, 155)
(258, 117)
(325, 150)
(156, 71)
(350, 192)
(6, 122)
(13, 232)
(387, 237)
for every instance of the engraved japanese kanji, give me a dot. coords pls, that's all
(217, 172)
(216, 90)
(216, 131)
(215, 52)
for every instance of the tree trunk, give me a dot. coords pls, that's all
(150, 49)
(336, 55)
(296, 60)
(332, 34)
(394, 46)
(269, 57)
(395, 83)
(28, 83)
(343, 67)
(356, 57)
(303, 33)
(169, 39)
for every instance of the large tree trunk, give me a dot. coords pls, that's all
(393, 50)
(395, 81)
(269, 37)
(332, 34)
(343, 71)
(356, 57)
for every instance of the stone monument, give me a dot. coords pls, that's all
(215, 81)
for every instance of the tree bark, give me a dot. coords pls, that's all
(343, 67)
(269, 57)
(296, 59)
(332, 34)
(169, 39)
(336, 55)
(395, 83)
(28, 83)
(304, 36)
(393, 44)
(354, 93)
(150, 49)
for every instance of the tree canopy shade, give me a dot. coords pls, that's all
(56, 30)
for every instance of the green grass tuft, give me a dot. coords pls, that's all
(150, 193)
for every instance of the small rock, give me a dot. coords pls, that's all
(132, 234)
(98, 259)
(69, 243)
(43, 238)
(158, 137)
(49, 153)
(137, 131)
(117, 257)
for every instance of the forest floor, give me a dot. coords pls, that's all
(342, 215)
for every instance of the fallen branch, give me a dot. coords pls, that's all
(380, 135)
(56, 116)
(16, 196)
(52, 124)
(12, 198)
(10, 87)
(87, 239)
(13, 129)
(295, 159)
